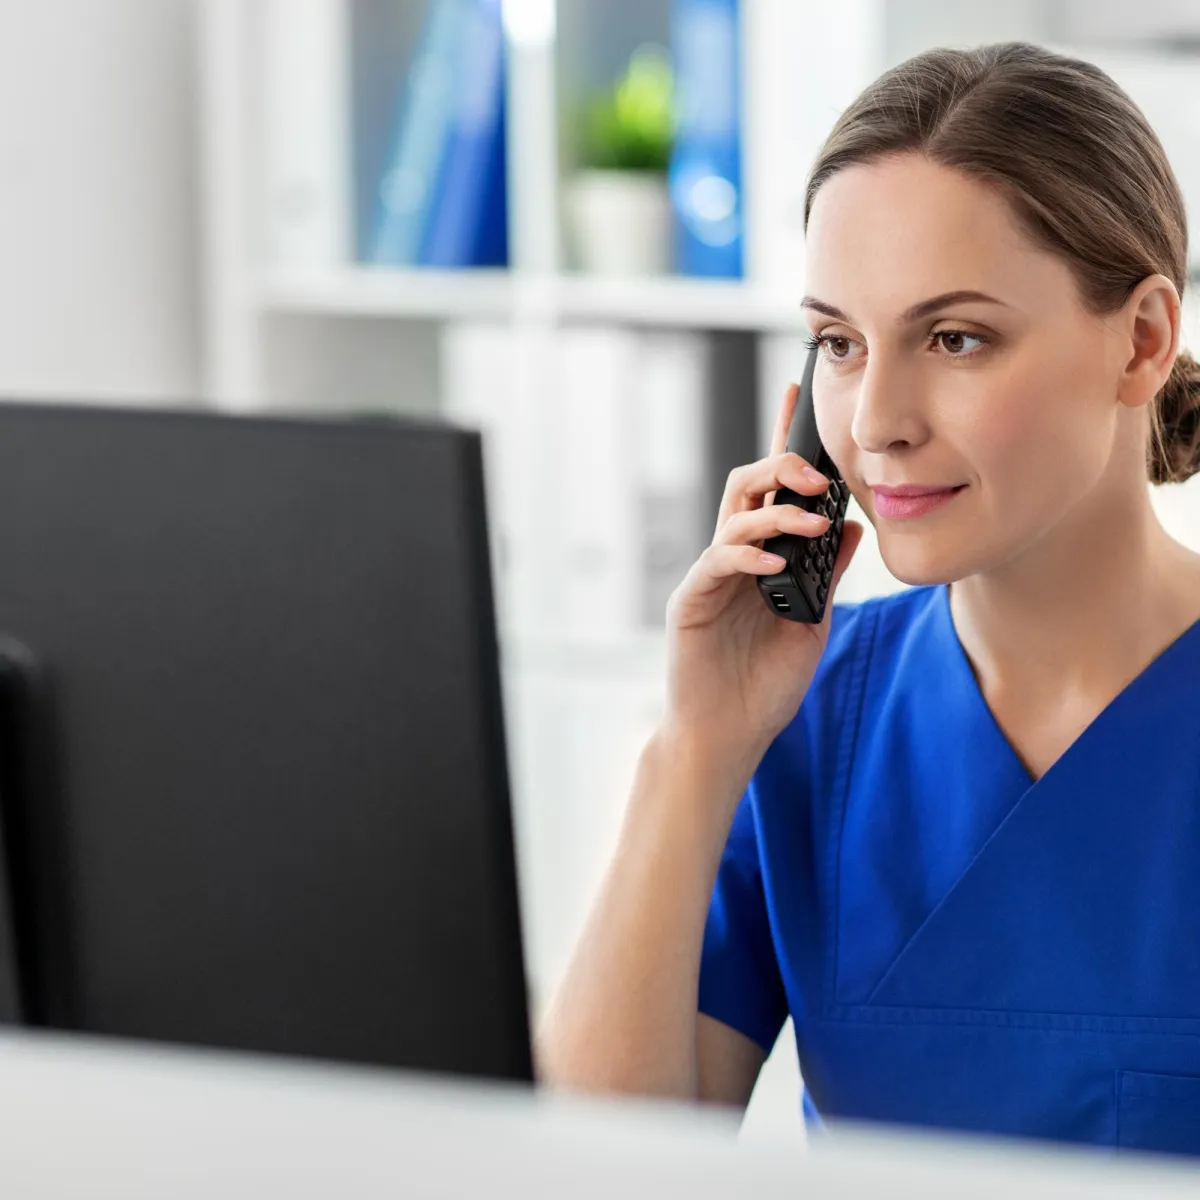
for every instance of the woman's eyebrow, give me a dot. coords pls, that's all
(923, 309)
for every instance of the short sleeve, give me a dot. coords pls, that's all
(740, 983)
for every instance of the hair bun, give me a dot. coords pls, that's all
(1175, 447)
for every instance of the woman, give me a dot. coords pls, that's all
(953, 832)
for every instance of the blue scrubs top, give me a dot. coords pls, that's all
(958, 944)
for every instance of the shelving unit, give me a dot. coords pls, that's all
(243, 287)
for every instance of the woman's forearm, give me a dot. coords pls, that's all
(624, 1016)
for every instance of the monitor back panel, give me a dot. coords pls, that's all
(276, 813)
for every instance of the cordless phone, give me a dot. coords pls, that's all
(800, 590)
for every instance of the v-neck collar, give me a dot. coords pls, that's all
(1138, 684)
(1055, 889)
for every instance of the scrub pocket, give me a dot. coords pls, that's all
(1158, 1113)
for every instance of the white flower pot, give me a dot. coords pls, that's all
(620, 222)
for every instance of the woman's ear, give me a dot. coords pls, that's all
(1151, 320)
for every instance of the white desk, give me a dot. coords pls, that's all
(81, 1117)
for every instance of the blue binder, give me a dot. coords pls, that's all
(705, 175)
(424, 112)
(467, 219)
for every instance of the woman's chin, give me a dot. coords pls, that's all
(924, 564)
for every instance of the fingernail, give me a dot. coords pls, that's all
(814, 476)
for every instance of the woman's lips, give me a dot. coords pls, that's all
(913, 506)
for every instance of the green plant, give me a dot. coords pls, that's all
(630, 126)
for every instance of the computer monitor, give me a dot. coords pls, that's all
(255, 790)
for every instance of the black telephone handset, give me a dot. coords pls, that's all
(800, 590)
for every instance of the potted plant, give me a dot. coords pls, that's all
(618, 204)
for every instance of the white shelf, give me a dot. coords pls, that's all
(382, 292)
(696, 303)
(435, 295)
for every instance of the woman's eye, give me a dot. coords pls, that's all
(839, 348)
(956, 343)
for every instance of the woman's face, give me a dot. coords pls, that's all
(1012, 398)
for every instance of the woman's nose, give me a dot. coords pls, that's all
(886, 412)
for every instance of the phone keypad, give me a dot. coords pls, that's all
(816, 566)
(810, 560)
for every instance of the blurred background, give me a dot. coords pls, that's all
(572, 224)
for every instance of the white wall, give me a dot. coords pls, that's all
(98, 261)
(911, 26)
(1121, 22)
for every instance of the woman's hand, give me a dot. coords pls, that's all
(737, 672)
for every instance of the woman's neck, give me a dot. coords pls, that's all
(1081, 614)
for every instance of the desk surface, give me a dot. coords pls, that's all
(88, 1117)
